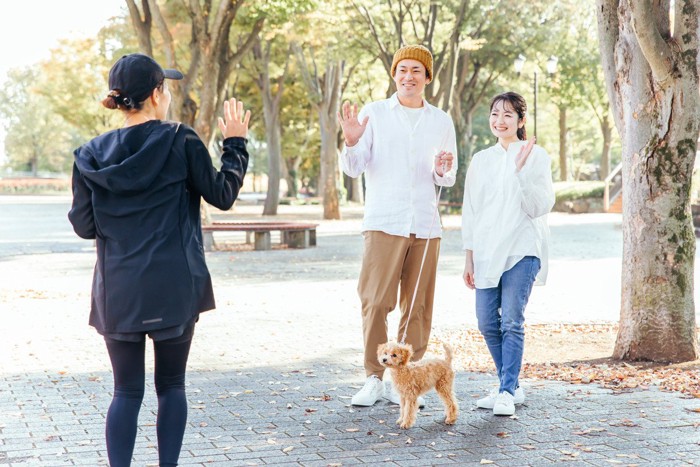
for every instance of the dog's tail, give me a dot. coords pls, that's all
(448, 353)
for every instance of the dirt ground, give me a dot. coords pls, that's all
(582, 355)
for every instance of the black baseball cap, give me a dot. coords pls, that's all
(136, 76)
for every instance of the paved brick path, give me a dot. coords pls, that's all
(273, 369)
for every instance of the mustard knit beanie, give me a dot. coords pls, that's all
(414, 52)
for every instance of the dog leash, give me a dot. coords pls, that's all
(425, 254)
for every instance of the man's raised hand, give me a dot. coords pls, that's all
(352, 128)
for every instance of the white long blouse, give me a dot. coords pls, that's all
(504, 215)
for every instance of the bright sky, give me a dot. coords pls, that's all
(30, 28)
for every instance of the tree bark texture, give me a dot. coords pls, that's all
(563, 156)
(606, 130)
(652, 83)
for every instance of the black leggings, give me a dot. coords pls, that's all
(129, 379)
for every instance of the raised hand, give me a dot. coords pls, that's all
(235, 121)
(523, 154)
(352, 128)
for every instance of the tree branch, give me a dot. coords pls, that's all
(311, 84)
(654, 47)
(141, 26)
(608, 37)
(169, 42)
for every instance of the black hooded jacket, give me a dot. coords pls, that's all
(137, 192)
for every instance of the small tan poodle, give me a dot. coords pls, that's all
(413, 379)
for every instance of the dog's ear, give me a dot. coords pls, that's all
(409, 352)
(404, 353)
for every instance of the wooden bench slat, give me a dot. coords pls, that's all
(292, 234)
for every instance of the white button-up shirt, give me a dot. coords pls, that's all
(398, 159)
(504, 216)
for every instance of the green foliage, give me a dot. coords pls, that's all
(68, 87)
(37, 138)
(568, 191)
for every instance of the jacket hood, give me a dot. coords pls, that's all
(127, 160)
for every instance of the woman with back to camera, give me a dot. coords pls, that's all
(507, 194)
(137, 192)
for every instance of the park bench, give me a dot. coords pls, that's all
(292, 234)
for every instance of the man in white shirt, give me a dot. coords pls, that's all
(405, 147)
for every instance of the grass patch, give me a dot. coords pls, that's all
(568, 191)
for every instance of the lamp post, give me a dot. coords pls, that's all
(518, 63)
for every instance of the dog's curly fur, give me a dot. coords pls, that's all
(413, 379)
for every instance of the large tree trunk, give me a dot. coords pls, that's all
(355, 192)
(328, 183)
(563, 156)
(328, 109)
(652, 82)
(290, 172)
(273, 125)
(606, 129)
(325, 94)
(273, 136)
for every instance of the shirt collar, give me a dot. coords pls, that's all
(394, 102)
(512, 146)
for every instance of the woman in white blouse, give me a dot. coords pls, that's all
(507, 195)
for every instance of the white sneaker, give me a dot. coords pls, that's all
(370, 392)
(489, 401)
(395, 398)
(504, 404)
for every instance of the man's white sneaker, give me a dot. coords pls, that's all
(370, 392)
(395, 398)
(504, 404)
(488, 401)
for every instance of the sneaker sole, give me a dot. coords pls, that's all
(490, 407)
(362, 405)
(504, 414)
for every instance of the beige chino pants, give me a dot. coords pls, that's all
(390, 267)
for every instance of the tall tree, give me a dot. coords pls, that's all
(271, 89)
(214, 50)
(325, 94)
(651, 70)
(37, 139)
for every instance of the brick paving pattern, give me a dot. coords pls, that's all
(272, 370)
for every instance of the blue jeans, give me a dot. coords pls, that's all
(500, 312)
